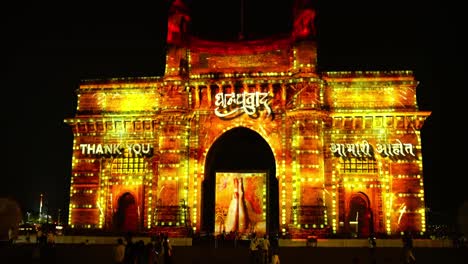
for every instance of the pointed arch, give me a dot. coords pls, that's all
(239, 149)
(360, 215)
(126, 217)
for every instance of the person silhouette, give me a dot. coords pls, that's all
(408, 254)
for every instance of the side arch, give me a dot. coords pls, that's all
(360, 215)
(126, 216)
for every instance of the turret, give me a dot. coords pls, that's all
(304, 20)
(304, 37)
(177, 36)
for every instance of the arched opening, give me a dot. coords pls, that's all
(242, 152)
(360, 215)
(126, 217)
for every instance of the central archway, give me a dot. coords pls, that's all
(240, 150)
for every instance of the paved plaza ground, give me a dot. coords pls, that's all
(225, 254)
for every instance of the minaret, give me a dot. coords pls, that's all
(177, 36)
(304, 20)
(304, 36)
(177, 24)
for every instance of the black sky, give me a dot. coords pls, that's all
(50, 48)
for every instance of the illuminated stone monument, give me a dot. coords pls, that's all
(342, 149)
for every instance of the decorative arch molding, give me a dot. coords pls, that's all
(217, 159)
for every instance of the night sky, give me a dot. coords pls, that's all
(49, 49)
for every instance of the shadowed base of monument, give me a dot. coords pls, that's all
(93, 253)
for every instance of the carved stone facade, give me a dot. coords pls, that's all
(345, 147)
